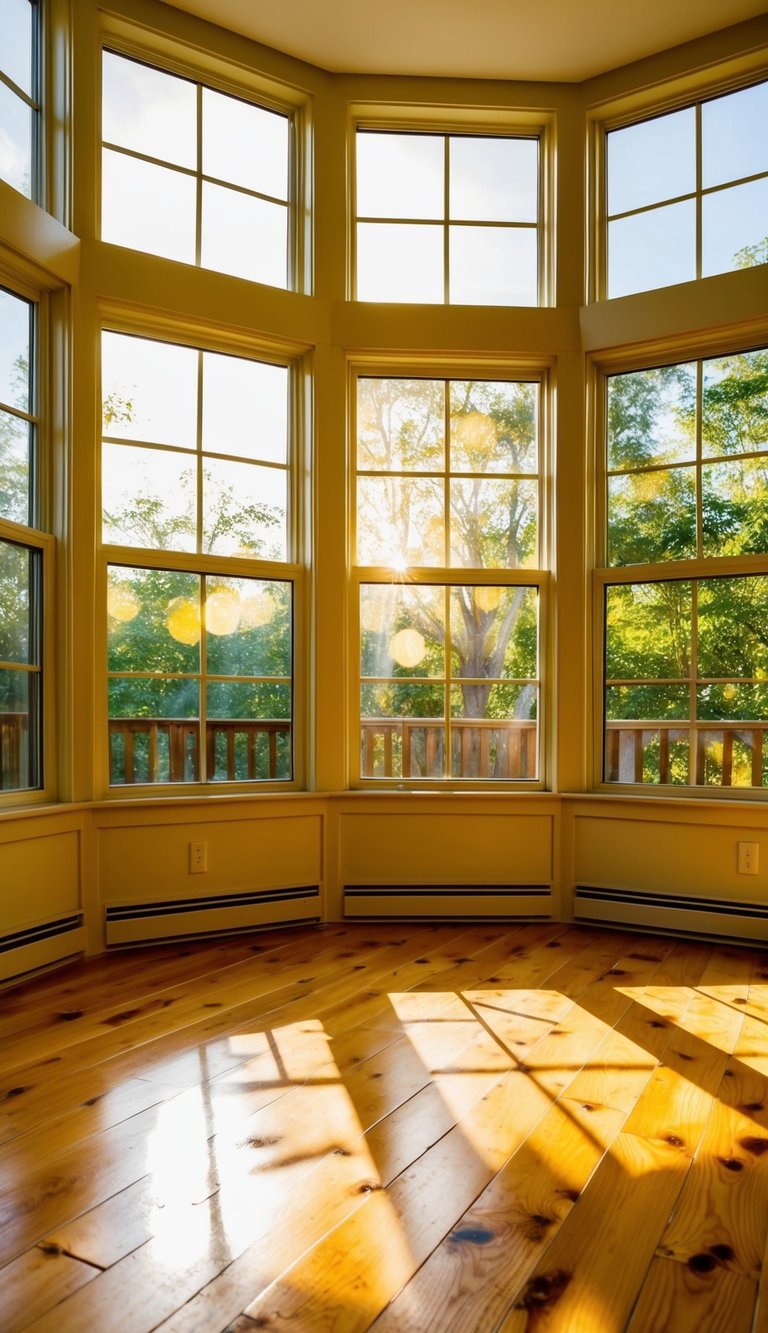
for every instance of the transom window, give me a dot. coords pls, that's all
(20, 95)
(447, 505)
(447, 218)
(686, 658)
(193, 174)
(687, 193)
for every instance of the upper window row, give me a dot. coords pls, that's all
(203, 177)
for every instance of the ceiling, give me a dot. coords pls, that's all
(562, 40)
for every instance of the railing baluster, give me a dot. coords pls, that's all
(664, 754)
(758, 736)
(726, 776)
(272, 753)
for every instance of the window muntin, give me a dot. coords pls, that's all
(686, 661)
(444, 218)
(687, 193)
(215, 168)
(448, 484)
(200, 672)
(195, 452)
(19, 95)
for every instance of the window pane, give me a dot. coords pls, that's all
(15, 468)
(149, 390)
(149, 498)
(14, 350)
(733, 228)
(655, 249)
(248, 732)
(732, 614)
(733, 142)
(494, 180)
(493, 427)
(16, 127)
(493, 633)
(19, 730)
(245, 144)
(245, 408)
(493, 523)
(402, 630)
(652, 161)
(652, 516)
(16, 52)
(735, 415)
(154, 734)
(734, 700)
(652, 417)
(400, 176)
(735, 507)
(648, 631)
(493, 266)
(154, 623)
(167, 228)
(493, 732)
(400, 522)
(400, 425)
(16, 628)
(249, 628)
(402, 731)
(647, 701)
(244, 509)
(149, 111)
(398, 262)
(244, 236)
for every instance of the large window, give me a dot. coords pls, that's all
(687, 193)
(193, 174)
(686, 657)
(19, 95)
(447, 218)
(447, 540)
(21, 551)
(196, 475)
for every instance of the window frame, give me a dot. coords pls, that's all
(698, 569)
(294, 570)
(447, 122)
(486, 369)
(119, 37)
(649, 104)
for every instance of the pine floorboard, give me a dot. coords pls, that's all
(407, 1128)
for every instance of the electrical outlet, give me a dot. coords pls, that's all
(747, 858)
(198, 858)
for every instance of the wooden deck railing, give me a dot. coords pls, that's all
(481, 748)
(645, 750)
(170, 749)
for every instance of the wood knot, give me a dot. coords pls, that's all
(367, 1187)
(616, 972)
(69, 1015)
(701, 1263)
(544, 1290)
(49, 1247)
(755, 1146)
(341, 1152)
(14, 1092)
(731, 1163)
(723, 1253)
(472, 1236)
(571, 1195)
(656, 1023)
(674, 1140)
(554, 944)
(752, 1106)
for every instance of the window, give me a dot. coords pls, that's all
(686, 656)
(19, 95)
(21, 552)
(216, 168)
(687, 193)
(447, 540)
(195, 465)
(447, 218)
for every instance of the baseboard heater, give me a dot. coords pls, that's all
(674, 913)
(37, 946)
(130, 923)
(465, 902)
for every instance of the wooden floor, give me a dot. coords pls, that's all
(396, 1127)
